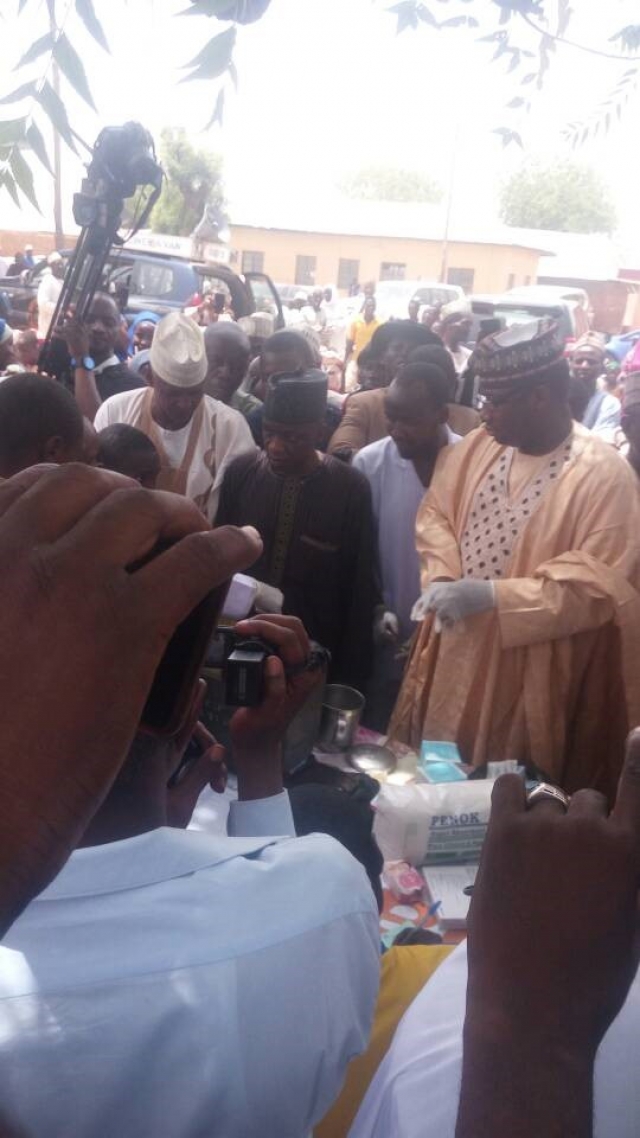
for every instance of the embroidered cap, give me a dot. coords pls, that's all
(512, 359)
(178, 354)
(590, 342)
(299, 398)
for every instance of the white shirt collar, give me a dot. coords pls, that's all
(147, 859)
(113, 361)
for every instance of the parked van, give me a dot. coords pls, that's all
(393, 297)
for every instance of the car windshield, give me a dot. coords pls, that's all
(521, 314)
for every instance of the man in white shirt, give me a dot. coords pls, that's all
(603, 410)
(98, 373)
(399, 469)
(196, 436)
(179, 984)
(454, 329)
(314, 313)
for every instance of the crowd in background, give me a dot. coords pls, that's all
(460, 530)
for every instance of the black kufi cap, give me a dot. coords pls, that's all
(298, 398)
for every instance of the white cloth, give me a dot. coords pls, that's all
(415, 1091)
(460, 358)
(49, 291)
(4, 265)
(111, 361)
(396, 493)
(315, 318)
(179, 984)
(225, 435)
(602, 415)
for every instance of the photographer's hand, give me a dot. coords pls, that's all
(257, 732)
(80, 640)
(76, 336)
(85, 388)
(551, 956)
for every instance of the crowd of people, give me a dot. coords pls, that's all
(460, 530)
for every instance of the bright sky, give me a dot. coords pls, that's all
(326, 86)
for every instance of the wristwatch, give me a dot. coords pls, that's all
(86, 362)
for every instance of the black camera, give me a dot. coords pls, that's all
(123, 161)
(241, 660)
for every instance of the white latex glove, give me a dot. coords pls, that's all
(452, 601)
(386, 628)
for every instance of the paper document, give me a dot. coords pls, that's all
(446, 883)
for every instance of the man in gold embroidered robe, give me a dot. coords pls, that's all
(530, 553)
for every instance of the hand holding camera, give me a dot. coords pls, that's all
(76, 336)
(290, 675)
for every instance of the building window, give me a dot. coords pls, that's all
(305, 270)
(463, 278)
(253, 262)
(392, 271)
(511, 282)
(348, 273)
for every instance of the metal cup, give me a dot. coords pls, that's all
(341, 712)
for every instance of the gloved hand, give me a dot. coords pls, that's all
(455, 600)
(386, 627)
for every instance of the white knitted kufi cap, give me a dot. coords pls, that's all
(178, 354)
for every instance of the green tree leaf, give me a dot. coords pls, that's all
(87, 14)
(38, 48)
(427, 17)
(218, 112)
(23, 176)
(407, 13)
(38, 145)
(242, 11)
(54, 109)
(72, 68)
(24, 91)
(7, 180)
(215, 57)
(12, 130)
(217, 8)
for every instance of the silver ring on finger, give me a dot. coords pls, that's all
(546, 791)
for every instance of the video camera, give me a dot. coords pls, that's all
(241, 660)
(123, 161)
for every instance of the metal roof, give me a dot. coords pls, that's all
(406, 220)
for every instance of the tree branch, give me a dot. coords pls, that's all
(579, 46)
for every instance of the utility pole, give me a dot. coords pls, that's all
(453, 169)
(57, 150)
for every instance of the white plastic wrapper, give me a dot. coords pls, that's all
(240, 598)
(438, 824)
